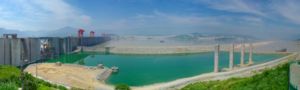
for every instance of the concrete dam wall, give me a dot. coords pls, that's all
(10, 51)
(91, 41)
(14, 51)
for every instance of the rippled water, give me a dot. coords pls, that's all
(138, 70)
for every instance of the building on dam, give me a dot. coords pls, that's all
(18, 51)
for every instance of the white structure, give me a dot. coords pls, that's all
(294, 76)
(231, 57)
(250, 54)
(242, 54)
(216, 58)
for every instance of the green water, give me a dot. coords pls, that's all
(139, 70)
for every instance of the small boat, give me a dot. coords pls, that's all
(101, 66)
(114, 69)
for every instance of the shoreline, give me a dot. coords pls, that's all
(165, 50)
(239, 72)
(176, 84)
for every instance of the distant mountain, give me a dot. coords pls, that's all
(67, 31)
(198, 37)
(11, 31)
(71, 31)
(62, 32)
(3, 31)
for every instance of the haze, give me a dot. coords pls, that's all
(260, 18)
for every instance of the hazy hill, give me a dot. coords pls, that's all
(211, 37)
(62, 32)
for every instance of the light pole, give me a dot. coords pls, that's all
(22, 74)
(36, 67)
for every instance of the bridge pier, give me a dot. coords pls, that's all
(250, 54)
(231, 57)
(242, 54)
(107, 50)
(216, 58)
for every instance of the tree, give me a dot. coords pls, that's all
(122, 87)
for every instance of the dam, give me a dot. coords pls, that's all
(21, 51)
(150, 65)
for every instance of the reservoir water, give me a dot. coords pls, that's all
(139, 70)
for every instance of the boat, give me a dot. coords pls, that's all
(115, 69)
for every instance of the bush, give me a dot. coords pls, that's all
(9, 72)
(74, 88)
(272, 79)
(8, 86)
(122, 87)
(10, 79)
(30, 85)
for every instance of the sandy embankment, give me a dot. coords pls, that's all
(69, 75)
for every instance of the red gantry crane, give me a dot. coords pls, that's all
(80, 37)
(80, 33)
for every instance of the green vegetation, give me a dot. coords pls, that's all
(8, 72)
(10, 79)
(74, 88)
(8, 86)
(272, 79)
(122, 87)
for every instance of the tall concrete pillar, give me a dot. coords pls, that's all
(2, 51)
(250, 54)
(231, 57)
(216, 58)
(242, 54)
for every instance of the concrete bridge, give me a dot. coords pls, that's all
(231, 56)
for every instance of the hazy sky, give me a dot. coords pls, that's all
(257, 17)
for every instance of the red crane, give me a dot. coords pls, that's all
(80, 37)
(80, 33)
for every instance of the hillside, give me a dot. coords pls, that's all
(272, 79)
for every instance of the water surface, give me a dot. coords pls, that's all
(138, 70)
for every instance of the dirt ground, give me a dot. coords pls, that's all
(69, 75)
